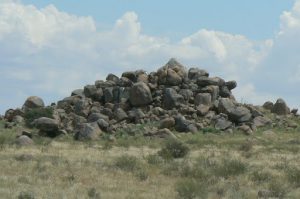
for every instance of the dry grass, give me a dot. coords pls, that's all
(217, 166)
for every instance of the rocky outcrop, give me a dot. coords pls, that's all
(172, 98)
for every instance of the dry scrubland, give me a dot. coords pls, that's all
(218, 165)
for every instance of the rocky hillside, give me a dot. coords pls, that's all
(174, 98)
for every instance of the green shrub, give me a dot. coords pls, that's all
(142, 174)
(230, 167)
(190, 189)
(173, 149)
(260, 176)
(92, 193)
(26, 195)
(278, 189)
(127, 163)
(154, 159)
(32, 114)
(293, 175)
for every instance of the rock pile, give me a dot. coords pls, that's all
(174, 97)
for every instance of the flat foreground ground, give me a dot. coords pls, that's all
(219, 165)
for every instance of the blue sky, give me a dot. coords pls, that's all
(49, 48)
(255, 19)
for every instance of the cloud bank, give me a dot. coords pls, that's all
(47, 52)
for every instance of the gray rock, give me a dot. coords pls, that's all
(46, 124)
(24, 140)
(261, 121)
(108, 95)
(187, 94)
(225, 105)
(245, 129)
(120, 115)
(78, 92)
(231, 84)
(294, 111)
(268, 105)
(18, 119)
(33, 102)
(240, 114)
(183, 125)
(112, 77)
(203, 98)
(224, 91)
(91, 91)
(208, 81)
(222, 124)
(202, 110)
(195, 73)
(136, 114)
(172, 99)
(165, 133)
(130, 75)
(94, 117)
(167, 123)
(103, 124)
(88, 131)
(280, 108)
(140, 94)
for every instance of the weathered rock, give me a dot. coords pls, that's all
(268, 105)
(183, 125)
(10, 114)
(103, 124)
(280, 108)
(294, 111)
(172, 99)
(210, 81)
(120, 115)
(88, 131)
(112, 77)
(240, 114)
(195, 73)
(94, 117)
(24, 140)
(187, 94)
(172, 73)
(202, 110)
(18, 119)
(33, 102)
(78, 92)
(245, 129)
(231, 84)
(167, 123)
(165, 133)
(261, 121)
(47, 125)
(222, 124)
(203, 98)
(225, 105)
(108, 95)
(224, 91)
(140, 94)
(130, 75)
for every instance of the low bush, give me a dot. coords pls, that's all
(190, 189)
(293, 175)
(230, 167)
(127, 163)
(32, 114)
(173, 149)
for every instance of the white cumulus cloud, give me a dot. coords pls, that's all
(48, 52)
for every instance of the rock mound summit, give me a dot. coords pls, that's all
(174, 98)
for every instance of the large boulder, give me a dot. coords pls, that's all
(195, 73)
(210, 81)
(280, 108)
(47, 126)
(184, 125)
(88, 131)
(172, 99)
(33, 102)
(240, 115)
(225, 105)
(172, 73)
(268, 105)
(23, 140)
(140, 94)
(93, 92)
(203, 98)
